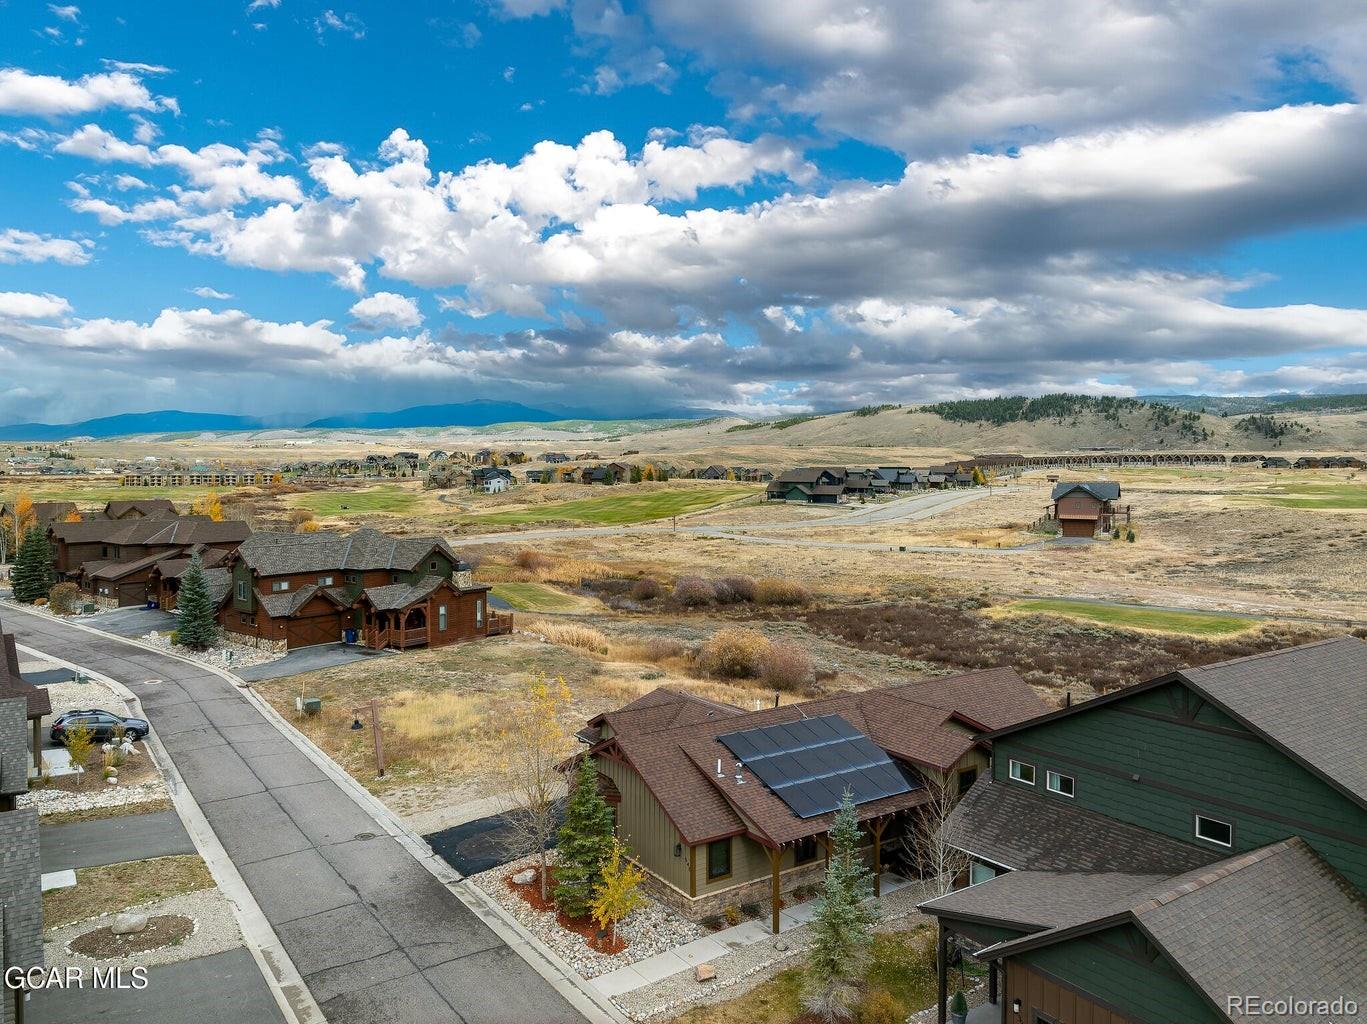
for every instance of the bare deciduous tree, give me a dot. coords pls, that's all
(925, 844)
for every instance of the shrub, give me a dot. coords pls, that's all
(64, 598)
(751, 910)
(647, 589)
(732, 914)
(570, 634)
(1130, 536)
(787, 667)
(300, 516)
(734, 589)
(878, 1007)
(532, 561)
(734, 653)
(776, 591)
(694, 591)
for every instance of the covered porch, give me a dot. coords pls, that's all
(396, 629)
(953, 944)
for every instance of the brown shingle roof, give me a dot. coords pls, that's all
(279, 554)
(12, 684)
(184, 530)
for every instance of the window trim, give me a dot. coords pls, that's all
(280, 586)
(1197, 817)
(1011, 767)
(325, 581)
(242, 590)
(1050, 776)
(442, 620)
(730, 866)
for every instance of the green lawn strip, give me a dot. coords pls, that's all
(536, 597)
(615, 509)
(393, 500)
(1191, 623)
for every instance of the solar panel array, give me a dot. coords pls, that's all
(810, 763)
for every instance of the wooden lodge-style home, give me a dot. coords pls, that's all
(819, 485)
(1083, 509)
(1169, 852)
(724, 806)
(37, 701)
(292, 590)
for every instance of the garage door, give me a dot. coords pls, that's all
(1079, 527)
(132, 593)
(320, 629)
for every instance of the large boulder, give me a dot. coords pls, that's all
(128, 923)
(525, 877)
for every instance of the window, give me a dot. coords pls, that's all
(479, 612)
(441, 617)
(394, 578)
(979, 872)
(805, 851)
(1058, 783)
(325, 581)
(432, 565)
(719, 859)
(1022, 772)
(966, 779)
(278, 586)
(351, 577)
(242, 590)
(1212, 830)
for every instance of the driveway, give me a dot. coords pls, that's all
(135, 622)
(309, 659)
(226, 988)
(481, 844)
(374, 934)
(88, 844)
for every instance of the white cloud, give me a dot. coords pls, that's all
(69, 12)
(346, 23)
(257, 5)
(27, 247)
(51, 96)
(27, 306)
(387, 309)
(205, 292)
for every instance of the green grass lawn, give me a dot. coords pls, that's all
(1323, 496)
(616, 509)
(384, 499)
(97, 494)
(1191, 623)
(537, 597)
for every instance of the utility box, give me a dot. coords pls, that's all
(308, 705)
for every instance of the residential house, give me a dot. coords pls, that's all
(112, 559)
(1082, 509)
(554, 458)
(36, 702)
(609, 474)
(694, 786)
(21, 894)
(1160, 853)
(302, 589)
(1276, 462)
(491, 479)
(814, 484)
(712, 473)
(163, 580)
(139, 508)
(539, 476)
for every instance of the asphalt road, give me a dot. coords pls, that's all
(309, 659)
(88, 844)
(375, 936)
(226, 988)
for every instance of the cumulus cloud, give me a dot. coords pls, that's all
(205, 292)
(29, 247)
(386, 309)
(52, 96)
(28, 306)
(346, 23)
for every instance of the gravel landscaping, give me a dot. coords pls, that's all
(96, 793)
(214, 931)
(652, 929)
(217, 655)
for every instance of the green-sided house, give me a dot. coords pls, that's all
(1176, 852)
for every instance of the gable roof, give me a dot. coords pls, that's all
(1101, 490)
(12, 684)
(400, 595)
(283, 604)
(158, 507)
(281, 554)
(152, 531)
(671, 741)
(1307, 701)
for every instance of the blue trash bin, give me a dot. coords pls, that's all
(350, 635)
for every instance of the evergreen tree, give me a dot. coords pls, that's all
(198, 628)
(32, 575)
(585, 843)
(842, 927)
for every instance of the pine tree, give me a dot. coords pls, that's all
(585, 843)
(198, 629)
(842, 925)
(32, 575)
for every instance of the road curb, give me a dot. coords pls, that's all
(558, 974)
(287, 987)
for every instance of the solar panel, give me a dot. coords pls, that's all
(811, 762)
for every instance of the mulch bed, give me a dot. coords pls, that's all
(584, 927)
(103, 944)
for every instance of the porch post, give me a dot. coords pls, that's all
(877, 827)
(775, 858)
(38, 743)
(992, 982)
(941, 972)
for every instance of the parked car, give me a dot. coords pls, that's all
(100, 723)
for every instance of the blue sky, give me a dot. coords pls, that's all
(262, 207)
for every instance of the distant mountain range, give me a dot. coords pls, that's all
(1243, 404)
(480, 413)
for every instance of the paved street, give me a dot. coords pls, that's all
(376, 937)
(86, 844)
(226, 988)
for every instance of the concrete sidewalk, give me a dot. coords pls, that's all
(374, 934)
(87, 844)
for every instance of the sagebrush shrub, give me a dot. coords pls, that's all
(694, 591)
(734, 653)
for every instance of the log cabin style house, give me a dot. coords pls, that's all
(1170, 852)
(1084, 509)
(290, 590)
(696, 799)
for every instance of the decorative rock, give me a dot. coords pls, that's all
(525, 877)
(705, 972)
(128, 924)
(781, 946)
